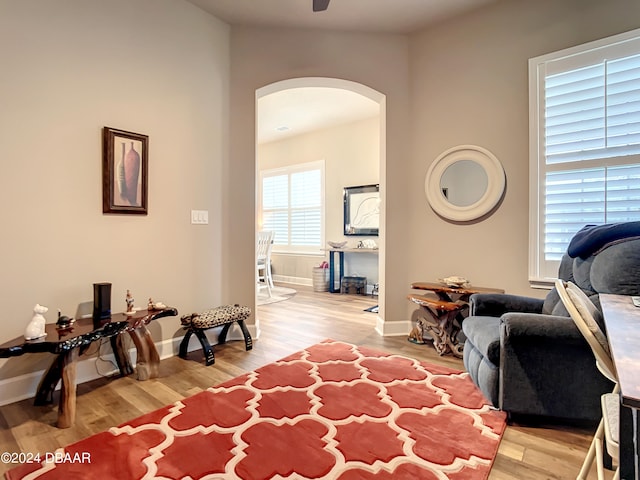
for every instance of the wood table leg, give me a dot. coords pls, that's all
(248, 341)
(463, 301)
(184, 344)
(154, 356)
(122, 355)
(148, 359)
(48, 383)
(452, 327)
(209, 357)
(444, 330)
(67, 406)
(440, 321)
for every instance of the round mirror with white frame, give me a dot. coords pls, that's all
(464, 183)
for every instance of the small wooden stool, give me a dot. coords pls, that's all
(198, 323)
(359, 283)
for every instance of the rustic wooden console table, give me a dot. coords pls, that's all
(444, 314)
(71, 342)
(147, 357)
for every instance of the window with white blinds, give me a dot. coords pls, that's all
(584, 144)
(292, 205)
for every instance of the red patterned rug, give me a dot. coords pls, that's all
(331, 411)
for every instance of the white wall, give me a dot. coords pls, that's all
(351, 153)
(157, 67)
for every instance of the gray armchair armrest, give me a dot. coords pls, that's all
(496, 304)
(538, 327)
(539, 354)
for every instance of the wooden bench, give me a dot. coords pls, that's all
(441, 322)
(225, 316)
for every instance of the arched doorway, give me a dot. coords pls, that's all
(343, 94)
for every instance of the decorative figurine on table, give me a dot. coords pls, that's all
(63, 321)
(150, 305)
(129, 299)
(35, 329)
(416, 334)
(156, 305)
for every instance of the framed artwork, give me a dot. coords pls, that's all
(124, 171)
(362, 210)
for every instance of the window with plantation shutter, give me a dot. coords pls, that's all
(584, 144)
(292, 205)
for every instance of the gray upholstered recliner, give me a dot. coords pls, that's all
(526, 354)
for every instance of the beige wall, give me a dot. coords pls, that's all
(469, 85)
(466, 80)
(261, 57)
(351, 153)
(158, 67)
(163, 67)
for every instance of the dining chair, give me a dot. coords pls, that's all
(584, 314)
(264, 244)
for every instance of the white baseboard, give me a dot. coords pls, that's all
(18, 388)
(309, 282)
(25, 386)
(293, 280)
(393, 329)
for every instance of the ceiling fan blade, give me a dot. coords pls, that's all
(320, 5)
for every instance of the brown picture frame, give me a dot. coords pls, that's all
(125, 163)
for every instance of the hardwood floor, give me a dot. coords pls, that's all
(526, 452)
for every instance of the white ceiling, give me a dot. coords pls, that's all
(389, 16)
(302, 110)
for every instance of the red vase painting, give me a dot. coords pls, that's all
(124, 172)
(122, 185)
(131, 174)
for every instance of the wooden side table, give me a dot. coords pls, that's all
(440, 323)
(442, 316)
(147, 357)
(67, 344)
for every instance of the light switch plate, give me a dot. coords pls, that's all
(199, 217)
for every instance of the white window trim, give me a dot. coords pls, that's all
(537, 278)
(289, 249)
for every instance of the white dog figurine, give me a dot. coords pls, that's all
(35, 329)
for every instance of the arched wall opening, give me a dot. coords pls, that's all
(374, 97)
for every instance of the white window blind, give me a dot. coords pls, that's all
(292, 205)
(585, 144)
(593, 112)
(575, 198)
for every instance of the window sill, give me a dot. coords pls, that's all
(542, 283)
(299, 254)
